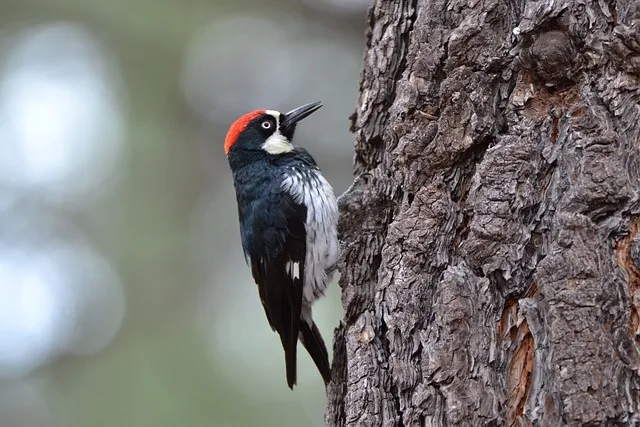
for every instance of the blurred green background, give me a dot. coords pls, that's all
(124, 296)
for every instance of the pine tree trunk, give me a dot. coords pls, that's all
(491, 260)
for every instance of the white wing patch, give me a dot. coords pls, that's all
(296, 270)
(293, 269)
(277, 143)
(312, 190)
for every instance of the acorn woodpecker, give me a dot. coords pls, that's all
(288, 217)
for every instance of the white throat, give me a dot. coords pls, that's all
(277, 143)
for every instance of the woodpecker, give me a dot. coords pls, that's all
(288, 216)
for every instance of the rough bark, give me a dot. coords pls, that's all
(491, 260)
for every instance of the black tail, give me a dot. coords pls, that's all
(290, 362)
(290, 349)
(313, 342)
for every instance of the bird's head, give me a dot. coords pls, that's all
(266, 131)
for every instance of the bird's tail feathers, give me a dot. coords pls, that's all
(290, 362)
(290, 344)
(313, 342)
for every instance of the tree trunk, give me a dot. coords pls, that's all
(491, 259)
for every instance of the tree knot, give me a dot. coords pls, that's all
(552, 58)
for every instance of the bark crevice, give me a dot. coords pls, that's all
(490, 269)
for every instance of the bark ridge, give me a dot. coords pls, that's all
(490, 269)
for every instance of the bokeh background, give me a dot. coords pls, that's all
(124, 296)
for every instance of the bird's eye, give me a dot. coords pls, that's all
(266, 124)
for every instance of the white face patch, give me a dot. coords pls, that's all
(277, 143)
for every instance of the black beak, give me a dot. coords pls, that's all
(294, 116)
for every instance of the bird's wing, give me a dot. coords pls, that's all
(277, 257)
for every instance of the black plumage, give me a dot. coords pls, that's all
(274, 239)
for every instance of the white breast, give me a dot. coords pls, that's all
(311, 189)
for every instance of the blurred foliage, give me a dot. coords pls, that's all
(194, 347)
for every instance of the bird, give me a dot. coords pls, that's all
(288, 217)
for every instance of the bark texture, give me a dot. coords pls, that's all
(491, 259)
